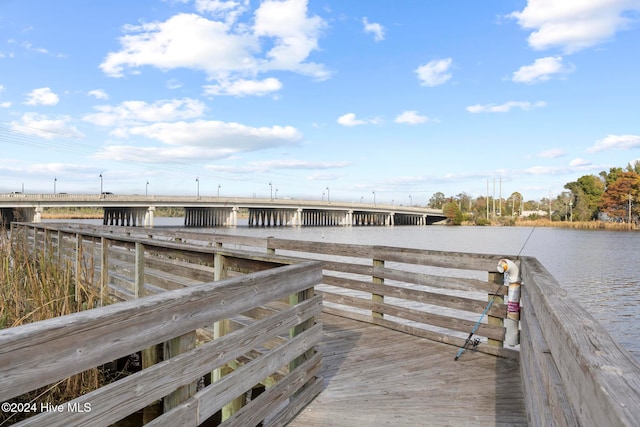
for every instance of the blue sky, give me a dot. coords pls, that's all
(401, 98)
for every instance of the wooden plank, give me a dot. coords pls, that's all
(336, 249)
(546, 399)
(454, 283)
(212, 398)
(425, 297)
(601, 379)
(425, 387)
(36, 354)
(173, 348)
(455, 260)
(136, 391)
(274, 397)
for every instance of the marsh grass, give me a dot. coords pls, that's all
(583, 225)
(35, 287)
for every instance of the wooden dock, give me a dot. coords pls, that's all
(313, 334)
(377, 376)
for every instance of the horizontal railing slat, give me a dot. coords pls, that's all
(47, 351)
(211, 399)
(139, 390)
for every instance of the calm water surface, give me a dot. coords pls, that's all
(599, 267)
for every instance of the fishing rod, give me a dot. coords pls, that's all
(474, 342)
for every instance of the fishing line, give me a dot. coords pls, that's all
(474, 342)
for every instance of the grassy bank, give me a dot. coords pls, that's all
(585, 225)
(34, 288)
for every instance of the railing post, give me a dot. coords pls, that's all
(104, 268)
(78, 265)
(173, 348)
(496, 278)
(376, 298)
(138, 286)
(270, 250)
(295, 299)
(220, 329)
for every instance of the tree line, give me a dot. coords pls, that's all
(611, 196)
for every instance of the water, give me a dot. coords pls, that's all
(598, 267)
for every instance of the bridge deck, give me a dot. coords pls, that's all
(377, 376)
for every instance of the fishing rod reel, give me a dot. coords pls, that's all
(469, 342)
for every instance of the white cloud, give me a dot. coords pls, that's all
(578, 163)
(132, 112)
(98, 94)
(200, 140)
(173, 84)
(224, 49)
(504, 108)
(208, 133)
(243, 87)
(46, 127)
(269, 165)
(573, 25)
(302, 164)
(411, 118)
(350, 120)
(435, 72)
(295, 36)
(374, 28)
(227, 10)
(553, 153)
(42, 96)
(185, 40)
(541, 70)
(619, 142)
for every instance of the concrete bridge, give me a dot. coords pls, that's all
(136, 210)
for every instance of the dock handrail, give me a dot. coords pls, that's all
(573, 371)
(433, 294)
(576, 373)
(37, 354)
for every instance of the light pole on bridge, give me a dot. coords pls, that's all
(374, 198)
(271, 189)
(328, 196)
(410, 201)
(101, 184)
(198, 187)
(146, 189)
(55, 179)
(218, 190)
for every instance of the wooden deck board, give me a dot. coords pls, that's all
(376, 376)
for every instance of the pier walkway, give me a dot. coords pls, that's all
(377, 376)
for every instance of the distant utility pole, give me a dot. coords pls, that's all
(487, 201)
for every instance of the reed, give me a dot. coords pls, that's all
(585, 225)
(36, 287)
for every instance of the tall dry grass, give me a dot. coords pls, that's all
(35, 287)
(585, 225)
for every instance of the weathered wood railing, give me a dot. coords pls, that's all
(264, 333)
(433, 294)
(573, 372)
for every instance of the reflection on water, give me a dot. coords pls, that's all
(598, 267)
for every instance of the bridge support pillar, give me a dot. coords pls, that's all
(37, 214)
(148, 216)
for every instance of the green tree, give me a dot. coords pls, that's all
(586, 196)
(611, 176)
(437, 200)
(453, 213)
